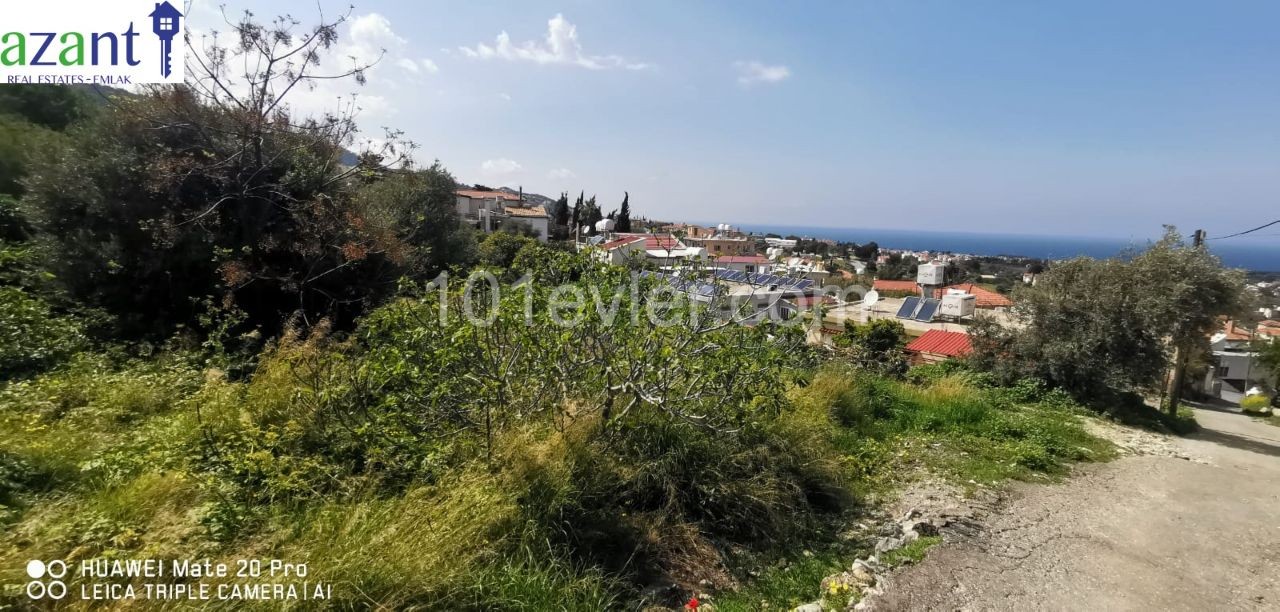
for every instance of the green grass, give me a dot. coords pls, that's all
(98, 460)
(913, 552)
(786, 583)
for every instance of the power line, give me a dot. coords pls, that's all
(1248, 231)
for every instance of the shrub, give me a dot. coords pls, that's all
(1257, 404)
(32, 337)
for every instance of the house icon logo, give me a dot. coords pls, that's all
(165, 21)
(93, 42)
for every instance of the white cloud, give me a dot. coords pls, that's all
(561, 174)
(416, 66)
(500, 166)
(752, 72)
(505, 96)
(560, 46)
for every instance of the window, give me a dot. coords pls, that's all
(166, 23)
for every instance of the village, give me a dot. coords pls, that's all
(768, 276)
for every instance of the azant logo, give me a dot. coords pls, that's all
(81, 50)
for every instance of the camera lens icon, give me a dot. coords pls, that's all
(35, 569)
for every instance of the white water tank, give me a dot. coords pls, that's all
(605, 225)
(957, 305)
(932, 274)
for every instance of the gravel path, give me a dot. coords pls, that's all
(1194, 526)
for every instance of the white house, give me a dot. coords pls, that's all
(1234, 368)
(489, 210)
(535, 217)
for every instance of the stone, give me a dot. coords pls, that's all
(925, 528)
(814, 606)
(862, 575)
(887, 544)
(890, 530)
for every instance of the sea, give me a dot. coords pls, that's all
(1254, 253)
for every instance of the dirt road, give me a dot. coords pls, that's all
(1140, 533)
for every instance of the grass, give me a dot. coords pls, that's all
(106, 461)
(913, 552)
(786, 583)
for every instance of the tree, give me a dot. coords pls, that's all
(576, 216)
(1102, 328)
(1194, 290)
(591, 215)
(624, 215)
(876, 345)
(214, 188)
(561, 210)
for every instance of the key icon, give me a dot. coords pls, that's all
(164, 22)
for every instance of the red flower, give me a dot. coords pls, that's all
(693, 604)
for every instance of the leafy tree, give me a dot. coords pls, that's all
(1191, 290)
(576, 216)
(1100, 328)
(560, 210)
(624, 215)
(499, 249)
(212, 187)
(54, 107)
(876, 345)
(866, 252)
(591, 214)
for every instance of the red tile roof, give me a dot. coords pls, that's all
(613, 244)
(1236, 333)
(488, 195)
(986, 298)
(656, 242)
(938, 342)
(751, 259)
(895, 285)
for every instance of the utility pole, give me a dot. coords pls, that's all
(1180, 353)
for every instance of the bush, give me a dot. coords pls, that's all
(1256, 404)
(32, 337)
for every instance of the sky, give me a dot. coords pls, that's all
(1066, 118)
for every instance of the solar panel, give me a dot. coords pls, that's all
(804, 284)
(909, 307)
(928, 308)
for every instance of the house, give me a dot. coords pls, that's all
(986, 297)
(723, 244)
(489, 210)
(1234, 366)
(807, 267)
(890, 288)
(743, 263)
(535, 217)
(935, 346)
(620, 250)
(660, 249)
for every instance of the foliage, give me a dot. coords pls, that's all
(1098, 328)
(913, 552)
(1255, 403)
(624, 214)
(32, 337)
(229, 194)
(876, 345)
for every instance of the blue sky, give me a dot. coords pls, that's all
(1097, 118)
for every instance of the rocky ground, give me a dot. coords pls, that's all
(1176, 524)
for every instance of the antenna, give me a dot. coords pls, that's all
(870, 299)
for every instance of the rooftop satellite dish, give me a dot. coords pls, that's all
(870, 299)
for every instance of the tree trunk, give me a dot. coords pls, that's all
(1179, 373)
